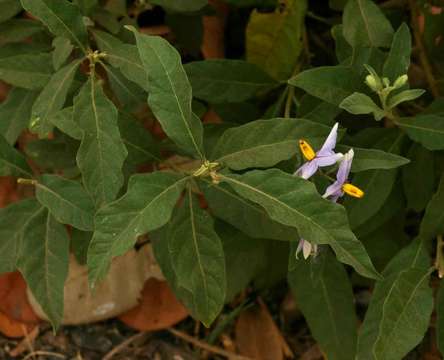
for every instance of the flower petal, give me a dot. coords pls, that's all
(345, 166)
(334, 190)
(307, 170)
(300, 245)
(330, 142)
(328, 160)
(306, 249)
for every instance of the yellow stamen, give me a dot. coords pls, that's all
(353, 190)
(307, 150)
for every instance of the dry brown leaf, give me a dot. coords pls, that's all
(117, 293)
(258, 337)
(158, 308)
(13, 328)
(14, 303)
(4, 89)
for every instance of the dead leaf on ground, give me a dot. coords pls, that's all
(118, 292)
(258, 337)
(14, 303)
(12, 328)
(158, 308)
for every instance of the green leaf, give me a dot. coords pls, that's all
(400, 309)
(329, 83)
(66, 200)
(141, 145)
(245, 215)
(79, 244)
(170, 93)
(325, 296)
(364, 24)
(16, 30)
(64, 121)
(440, 318)
(419, 189)
(15, 113)
(87, 6)
(9, 8)
(295, 202)
(358, 103)
(223, 80)
(102, 152)
(314, 109)
(369, 159)
(376, 184)
(428, 130)
(433, 221)
(61, 17)
(264, 143)
(12, 162)
(44, 263)
(274, 40)
(406, 95)
(62, 49)
(398, 60)
(128, 93)
(146, 206)
(52, 98)
(13, 220)
(125, 57)
(197, 258)
(181, 6)
(30, 71)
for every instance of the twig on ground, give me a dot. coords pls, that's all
(44, 353)
(26, 343)
(205, 346)
(124, 344)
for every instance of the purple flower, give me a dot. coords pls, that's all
(307, 248)
(341, 185)
(324, 157)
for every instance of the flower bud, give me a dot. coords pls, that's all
(401, 81)
(372, 83)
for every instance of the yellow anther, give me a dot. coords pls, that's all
(307, 150)
(353, 190)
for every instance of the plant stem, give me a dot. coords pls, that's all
(439, 262)
(289, 102)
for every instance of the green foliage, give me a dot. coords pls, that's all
(128, 144)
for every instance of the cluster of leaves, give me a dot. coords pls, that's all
(89, 84)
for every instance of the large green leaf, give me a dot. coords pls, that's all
(52, 98)
(102, 152)
(61, 17)
(433, 221)
(295, 202)
(400, 309)
(16, 30)
(12, 162)
(64, 121)
(364, 24)
(13, 220)
(15, 113)
(398, 60)
(141, 145)
(377, 185)
(274, 40)
(324, 294)
(45, 262)
(223, 80)
(66, 200)
(62, 50)
(146, 206)
(329, 83)
(428, 130)
(30, 71)
(368, 159)
(123, 56)
(9, 8)
(264, 143)
(419, 189)
(170, 93)
(181, 6)
(197, 258)
(245, 215)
